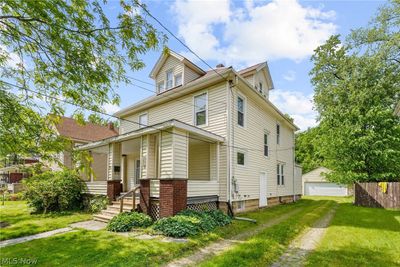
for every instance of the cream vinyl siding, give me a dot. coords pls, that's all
(166, 156)
(189, 75)
(250, 139)
(199, 160)
(144, 159)
(170, 64)
(114, 159)
(202, 188)
(180, 159)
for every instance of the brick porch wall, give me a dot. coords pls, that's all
(15, 177)
(173, 196)
(144, 196)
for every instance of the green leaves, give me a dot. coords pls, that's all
(356, 89)
(68, 50)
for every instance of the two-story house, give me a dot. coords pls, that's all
(205, 137)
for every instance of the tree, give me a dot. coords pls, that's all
(55, 51)
(307, 149)
(356, 89)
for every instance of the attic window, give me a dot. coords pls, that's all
(260, 87)
(160, 87)
(169, 77)
(178, 79)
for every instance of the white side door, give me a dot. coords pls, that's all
(263, 189)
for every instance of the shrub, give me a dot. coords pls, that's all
(54, 191)
(179, 226)
(125, 221)
(207, 222)
(219, 217)
(93, 203)
(12, 197)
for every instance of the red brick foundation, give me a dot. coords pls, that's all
(173, 196)
(145, 196)
(15, 177)
(114, 189)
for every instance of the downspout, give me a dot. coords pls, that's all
(294, 162)
(228, 195)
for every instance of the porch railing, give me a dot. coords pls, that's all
(127, 194)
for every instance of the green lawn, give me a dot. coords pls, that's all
(360, 236)
(266, 247)
(22, 223)
(101, 248)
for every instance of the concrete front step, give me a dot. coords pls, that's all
(102, 218)
(114, 209)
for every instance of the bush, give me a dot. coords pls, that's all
(94, 204)
(54, 191)
(219, 217)
(207, 222)
(12, 197)
(179, 226)
(125, 221)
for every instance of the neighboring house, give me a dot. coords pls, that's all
(315, 184)
(204, 137)
(14, 171)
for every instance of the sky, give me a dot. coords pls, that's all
(283, 33)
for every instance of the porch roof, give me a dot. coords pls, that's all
(152, 129)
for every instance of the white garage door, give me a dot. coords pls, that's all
(324, 189)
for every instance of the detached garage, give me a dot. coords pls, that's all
(315, 184)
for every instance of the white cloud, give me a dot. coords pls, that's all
(223, 31)
(290, 76)
(111, 109)
(297, 105)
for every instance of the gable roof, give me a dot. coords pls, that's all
(161, 60)
(70, 128)
(263, 66)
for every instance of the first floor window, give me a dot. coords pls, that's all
(200, 109)
(240, 158)
(143, 120)
(279, 174)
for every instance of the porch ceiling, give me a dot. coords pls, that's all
(155, 128)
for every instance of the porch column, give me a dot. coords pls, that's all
(114, 186)
(174, 175)
(124, 173)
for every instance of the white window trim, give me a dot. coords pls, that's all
(172, 79)
(268, 142)
(278, 140)
(140, 115)
(245, 158)
(280, 174)
(244, 111)
(158, 87)
(194, 109)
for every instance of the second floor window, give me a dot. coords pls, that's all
(169, 77)
(143, 120)
(240, 111)
(279, 174)
(266, 144)
(200, 109)
(178, 79)
(278, 134)
(160, 87)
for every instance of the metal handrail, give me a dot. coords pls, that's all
(121, 198)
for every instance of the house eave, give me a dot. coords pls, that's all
(163, 126)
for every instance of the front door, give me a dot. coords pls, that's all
(263, 189)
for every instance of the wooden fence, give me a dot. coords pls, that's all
(372, 195)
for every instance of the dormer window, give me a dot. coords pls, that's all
(169, 77)
(160, 87)
(178, 79)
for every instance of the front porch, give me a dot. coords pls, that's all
(171, 162)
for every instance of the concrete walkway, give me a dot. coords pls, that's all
(24, 239)
(88, 225)
(218, 247)
(299, 248)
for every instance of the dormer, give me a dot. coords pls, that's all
(173, 70)
(259, 77)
